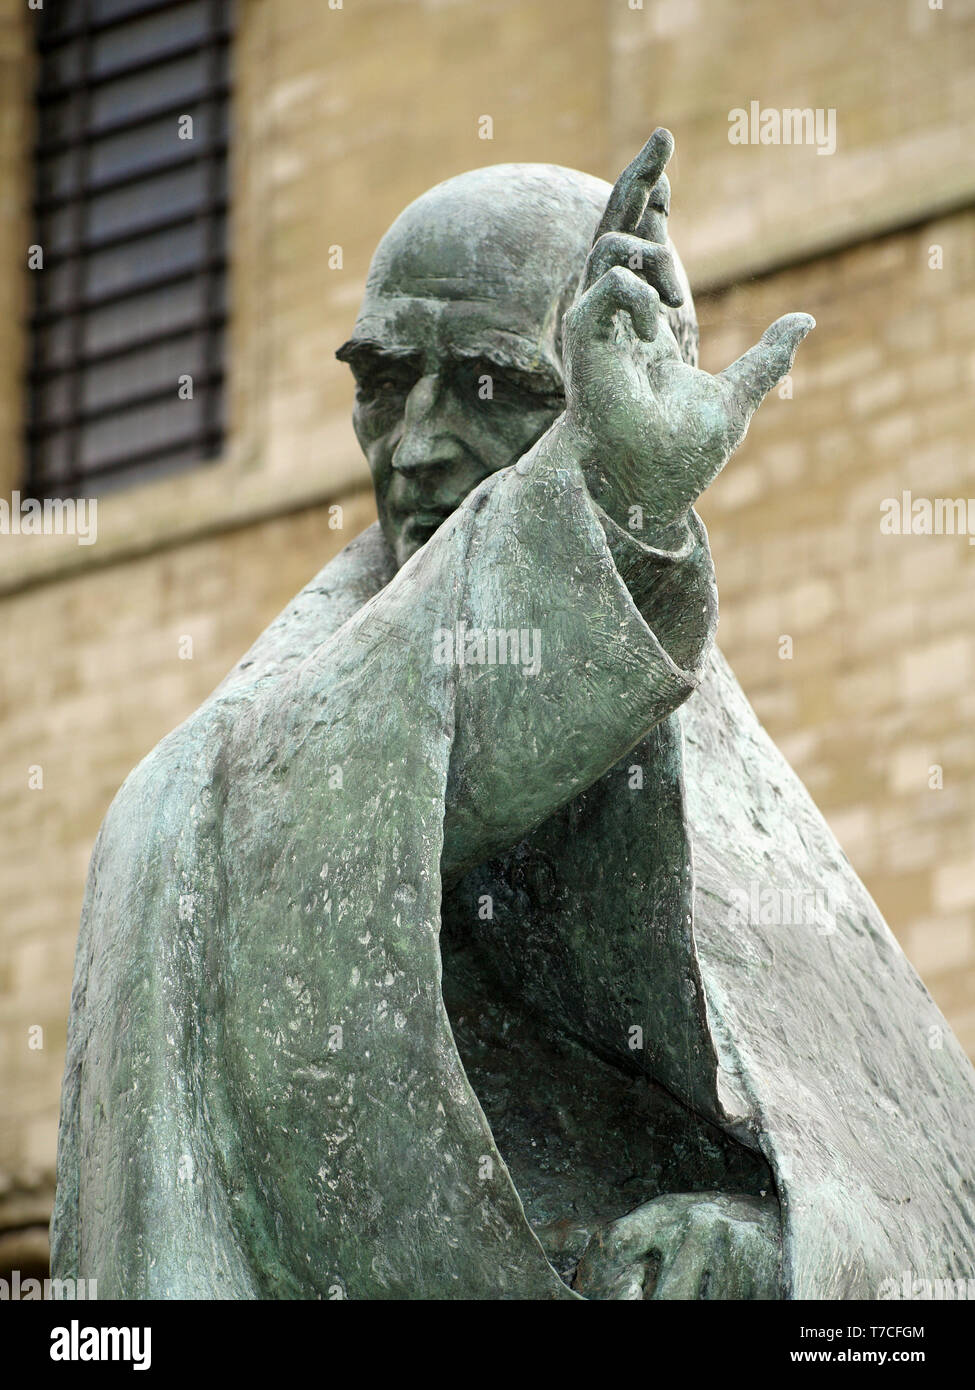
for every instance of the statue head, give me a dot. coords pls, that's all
(456, 349)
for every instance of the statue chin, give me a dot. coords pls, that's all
(404, 538)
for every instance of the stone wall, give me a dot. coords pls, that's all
(876, 707)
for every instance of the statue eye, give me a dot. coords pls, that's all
(508, 385)
(384, 383)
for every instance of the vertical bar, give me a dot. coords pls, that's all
(81, 110)
(211, 270)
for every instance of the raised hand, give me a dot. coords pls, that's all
(652, 431)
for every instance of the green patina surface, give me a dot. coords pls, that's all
(485, 1016)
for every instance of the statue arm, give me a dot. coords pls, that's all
(626, 626)
(616, 634)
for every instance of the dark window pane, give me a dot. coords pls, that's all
(149, 369)
(136, 206)
(127, 98)
(127, 266)
(157, 465)
(153, 36)
(146, 316)
(116, 156)
(104, 11)
(138, 430)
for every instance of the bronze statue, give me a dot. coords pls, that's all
(473, 940)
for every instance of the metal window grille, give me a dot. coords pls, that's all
(130, 216)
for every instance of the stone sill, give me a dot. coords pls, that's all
(147, 517)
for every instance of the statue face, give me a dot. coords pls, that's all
(455, 349)
(436, 417)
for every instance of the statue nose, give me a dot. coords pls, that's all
(425, 442)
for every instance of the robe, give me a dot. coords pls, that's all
(265, 1094)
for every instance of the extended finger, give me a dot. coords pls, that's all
(617, 289)
(631, 193)
(754, 374)
(649, 259)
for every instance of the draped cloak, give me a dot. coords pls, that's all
(263, 1093)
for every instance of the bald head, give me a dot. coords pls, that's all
(456, 348)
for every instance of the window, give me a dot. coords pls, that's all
(126, 373)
